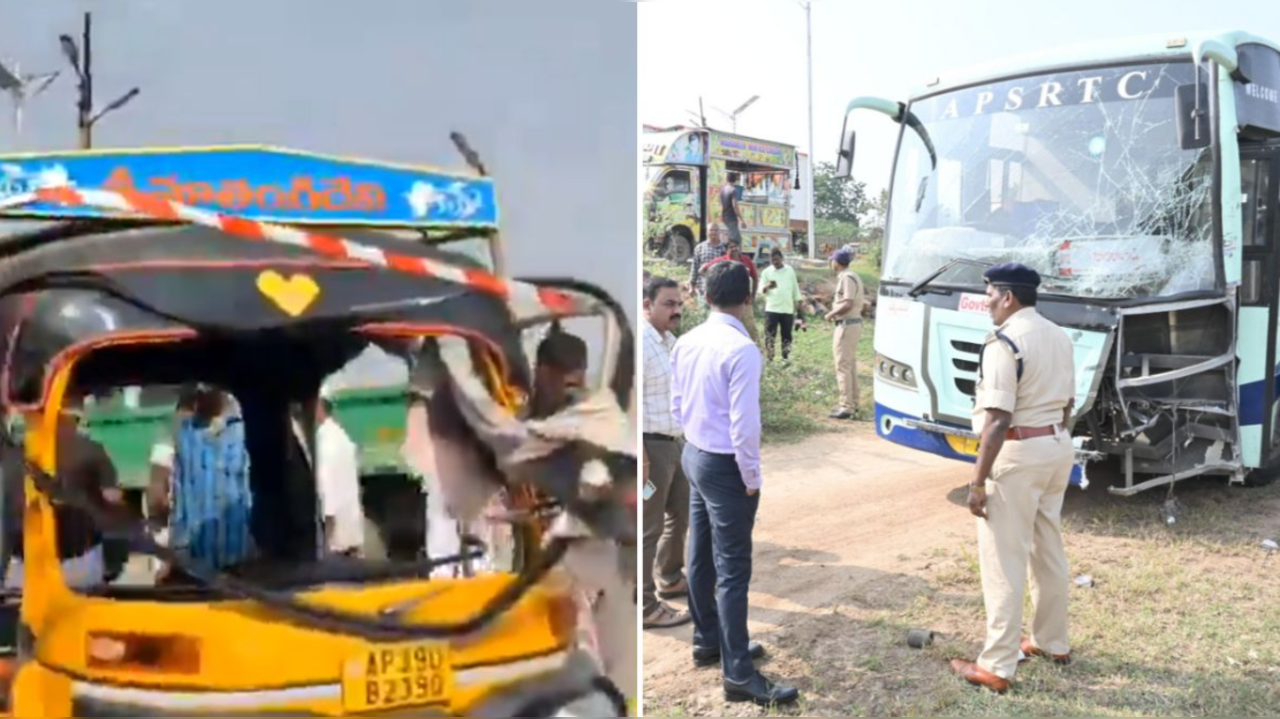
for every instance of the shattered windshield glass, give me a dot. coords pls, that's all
(1077, 174)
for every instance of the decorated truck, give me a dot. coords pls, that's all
(686, 168)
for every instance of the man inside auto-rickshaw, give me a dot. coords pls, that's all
(338, 481)
(450, 457)
(84, 468)
(561, 371)
(211, 497)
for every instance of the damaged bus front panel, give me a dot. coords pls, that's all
(1143, 192)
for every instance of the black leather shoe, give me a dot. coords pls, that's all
(761, 691)
(841, 414)
(706, 657)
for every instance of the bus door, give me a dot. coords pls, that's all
(1260, 279)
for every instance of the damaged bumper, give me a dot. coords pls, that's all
(566, 684)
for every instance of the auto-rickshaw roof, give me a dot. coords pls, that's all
(192, 281)
(260, 182)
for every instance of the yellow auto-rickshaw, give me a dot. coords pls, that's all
(129, 288)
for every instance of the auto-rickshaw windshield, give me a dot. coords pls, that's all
(350, 484)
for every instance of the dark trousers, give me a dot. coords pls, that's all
(772, 322)
(666, 519)
(721, 518)
(735, 231)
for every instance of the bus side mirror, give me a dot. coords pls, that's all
(844, 161)
(1190, 116)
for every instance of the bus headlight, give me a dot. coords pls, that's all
(895, 372)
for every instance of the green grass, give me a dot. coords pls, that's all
(1167, 630)
(795, 398)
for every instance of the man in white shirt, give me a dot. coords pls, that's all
(338, 481)
(666, 490)
(715, 396)
(420, 452)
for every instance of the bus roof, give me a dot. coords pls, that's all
(260, 182)
(1117, 50)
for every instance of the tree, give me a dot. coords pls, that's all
(874, 214)
(837, 198)
(877, 211)
(835, 232)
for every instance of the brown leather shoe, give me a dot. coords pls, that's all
(975, 674)
(1031, 650)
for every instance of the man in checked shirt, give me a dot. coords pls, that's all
(706, 251)
(666, 490)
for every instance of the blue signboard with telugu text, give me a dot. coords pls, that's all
(261, 183)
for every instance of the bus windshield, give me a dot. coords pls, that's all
(1077, 174)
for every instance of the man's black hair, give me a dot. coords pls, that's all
(733, 177)
(187, 395)
(728, 285)
(563, 351)
(1026, 296)
(656, 284)
(776, 252)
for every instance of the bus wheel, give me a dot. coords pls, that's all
(1261, 476)
(679, 246)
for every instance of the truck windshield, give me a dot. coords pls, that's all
(1076, 174)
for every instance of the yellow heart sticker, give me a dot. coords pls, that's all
(293, 295)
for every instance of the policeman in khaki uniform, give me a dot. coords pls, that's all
(1025, 395)
(846, 313)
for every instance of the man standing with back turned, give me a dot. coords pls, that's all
(1025, 394)
(715, 397)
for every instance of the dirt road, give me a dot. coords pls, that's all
(858, 540)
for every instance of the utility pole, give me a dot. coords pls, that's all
(808, 31)
(86, 87)
(86, 118)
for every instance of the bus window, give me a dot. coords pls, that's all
(1255, 184)
(1251, 284)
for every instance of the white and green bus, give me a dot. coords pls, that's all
(1140, 178)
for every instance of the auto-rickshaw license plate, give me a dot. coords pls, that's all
(397, 676)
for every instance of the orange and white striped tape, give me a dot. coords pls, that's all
(525, 299)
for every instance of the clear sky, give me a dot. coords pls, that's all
(545, 92)
(728, 52)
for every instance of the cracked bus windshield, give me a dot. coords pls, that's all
(1076, 174)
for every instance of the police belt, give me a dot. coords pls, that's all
(850, 321)
(1016, 433)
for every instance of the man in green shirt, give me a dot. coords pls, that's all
(781, 290)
